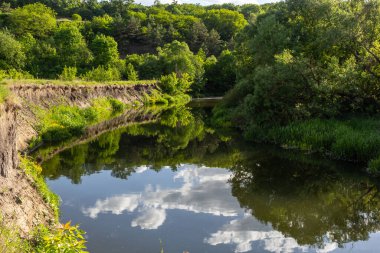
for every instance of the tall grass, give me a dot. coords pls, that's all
(354, 139)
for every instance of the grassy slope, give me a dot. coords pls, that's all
(75, 82)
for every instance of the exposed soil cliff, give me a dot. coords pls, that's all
(20, 203)
(21, 206)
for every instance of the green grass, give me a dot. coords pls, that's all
(62, 122)
(76, 82)
(10, 240)
(34, 171)
(65, 238)
(356, 139)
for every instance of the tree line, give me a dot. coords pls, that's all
(121, 40)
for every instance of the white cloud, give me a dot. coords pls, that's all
(150, 219)
(243, 232)
(116, 205)
(204, 190)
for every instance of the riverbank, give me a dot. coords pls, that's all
(355, 139)
(39, 111)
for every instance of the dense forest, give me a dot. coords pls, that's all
(117, 39)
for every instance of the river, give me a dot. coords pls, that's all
(175, 184)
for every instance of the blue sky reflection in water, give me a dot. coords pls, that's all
(268, 200)
(191, 209)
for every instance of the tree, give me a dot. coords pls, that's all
(176, 57)
(12, 55)
(36, 19)
(105, 50)
(226, 22)
(71, 47)
(220, 75)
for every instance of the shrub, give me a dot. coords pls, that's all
(101, 74)
(131, 73)
(76, 17)
(168, 83)
(64, 239)
(374, 166)
(68, 73)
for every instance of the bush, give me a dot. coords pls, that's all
(76, 17)
(68, 73)
(64, 239)
(131, 73)
(374, 166)
(168, 83)
(102, 74)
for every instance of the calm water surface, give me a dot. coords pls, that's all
(175, 183)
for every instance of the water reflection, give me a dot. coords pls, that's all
(264, 199)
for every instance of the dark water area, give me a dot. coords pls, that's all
(176, 184)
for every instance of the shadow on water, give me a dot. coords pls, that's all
(311, 199)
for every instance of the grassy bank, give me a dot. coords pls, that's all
(63, 122)
(53, 238)
(75, 82)
(355, 139)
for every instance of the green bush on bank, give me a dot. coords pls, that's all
(34, 170)
(102, 73)
(68, 73)
(354, 139)
(65, 238)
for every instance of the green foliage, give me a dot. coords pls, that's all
(298, 61)
(64, 122)
(10, 240)
(71, 47)
(226, 22)
(33, 170)
(172, 85)
(105, 50)
(102, 73)
(66, 238)
(11, 52)
(131, 73)
(15, 74)
(68, 74)
(177, 58)
(374, 166)
(355, 139)
(36, 19)
(76, 17)
(220, 74)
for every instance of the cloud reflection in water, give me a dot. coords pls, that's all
(202, 190)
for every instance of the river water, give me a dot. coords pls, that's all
(174, 184)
